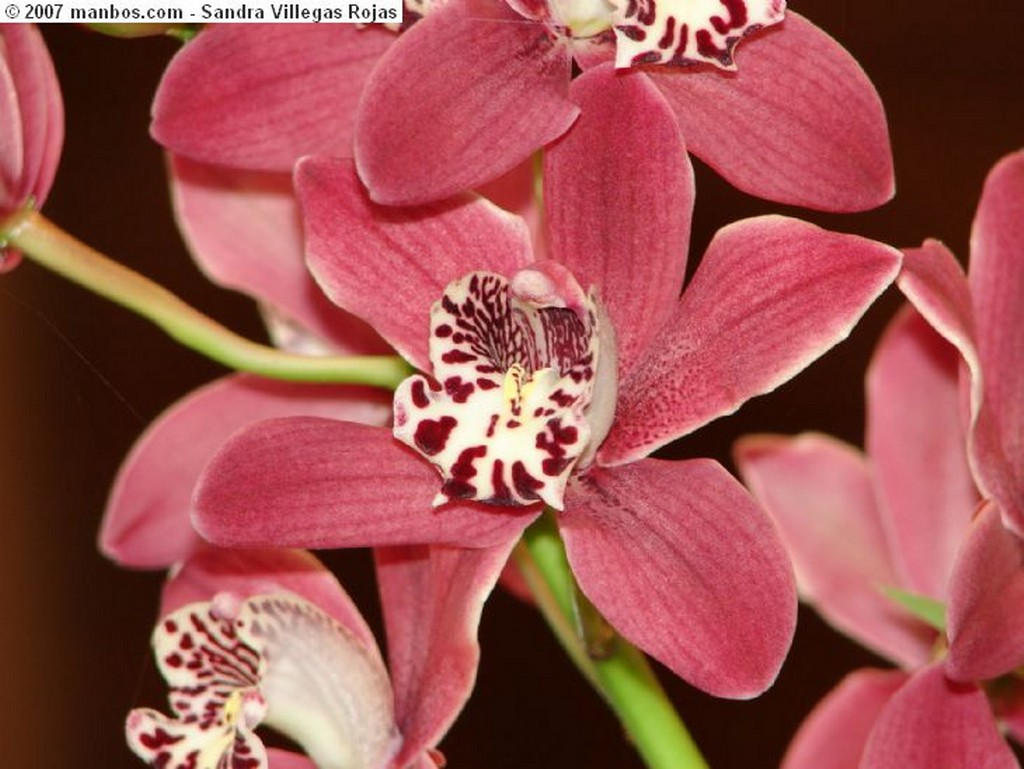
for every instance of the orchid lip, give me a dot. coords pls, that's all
(672, 32)
(275, 659)
(507, 415)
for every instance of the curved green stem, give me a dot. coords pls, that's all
(616, 668)
(45, 243)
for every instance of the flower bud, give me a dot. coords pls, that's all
(31, 123)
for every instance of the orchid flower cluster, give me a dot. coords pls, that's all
(468, 238)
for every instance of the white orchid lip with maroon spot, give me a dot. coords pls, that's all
(506, 416)
(276, 659)
(670, 32)
(682, 32)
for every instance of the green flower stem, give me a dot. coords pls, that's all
(616, 668)
(45, 243)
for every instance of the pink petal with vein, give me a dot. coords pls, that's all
(770, 296)
(324, 483)
(260, 96)
(251, 572)
(997, 288)
(389, 265)
(935, 284)
(515, 192)
(618, 196)
(680, 559)
(432, 599)
(798, 122)
(834, 734)
(820, 492)
(935, 722)
(918, 446)
(462, 97)
(31, 117)
(244, 230)
(146, 523)
(984, 622)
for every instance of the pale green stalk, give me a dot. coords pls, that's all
(614, 666)
(45, 243)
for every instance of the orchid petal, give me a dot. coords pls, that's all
(770, 296)
(820, 492)
(985, 625)
(321, 483)
(495, 90)
(244, 230)
(798, 123)
(146, 523)
(32, 117)
(260, 96)
(685, 32)
(997, 288)
(389, 266)
(682, 562)
(246, 573)
(618, 194)
(834, 734)
(932, 721)
(935, 284)
(284, 759)
(914, 432)
(432, 599)
(516, 192)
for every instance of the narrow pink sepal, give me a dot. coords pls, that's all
(389, 265)
(798, 121)
(680, 559)
(31, 117)
(245, 231)
(246, 573)
(432, 599)
(284, 759)
(618, 197)
(934, 722)
(260, 96)
(462, 97)
(820, 493)
(984, 622)
(324, 483)
(996, 278)
(770, 296)
(918, 446)
(146, 523)
(834, 734)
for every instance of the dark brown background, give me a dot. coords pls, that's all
(81, 378)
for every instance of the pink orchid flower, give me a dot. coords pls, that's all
(675, 554)
(250, 637)
(980, 314)
(907, 516)
(31, 122)
(478, 85)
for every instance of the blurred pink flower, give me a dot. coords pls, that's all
(31, 122)
(942, 422)
(770, 296)
(283, 644)
(478, 85)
